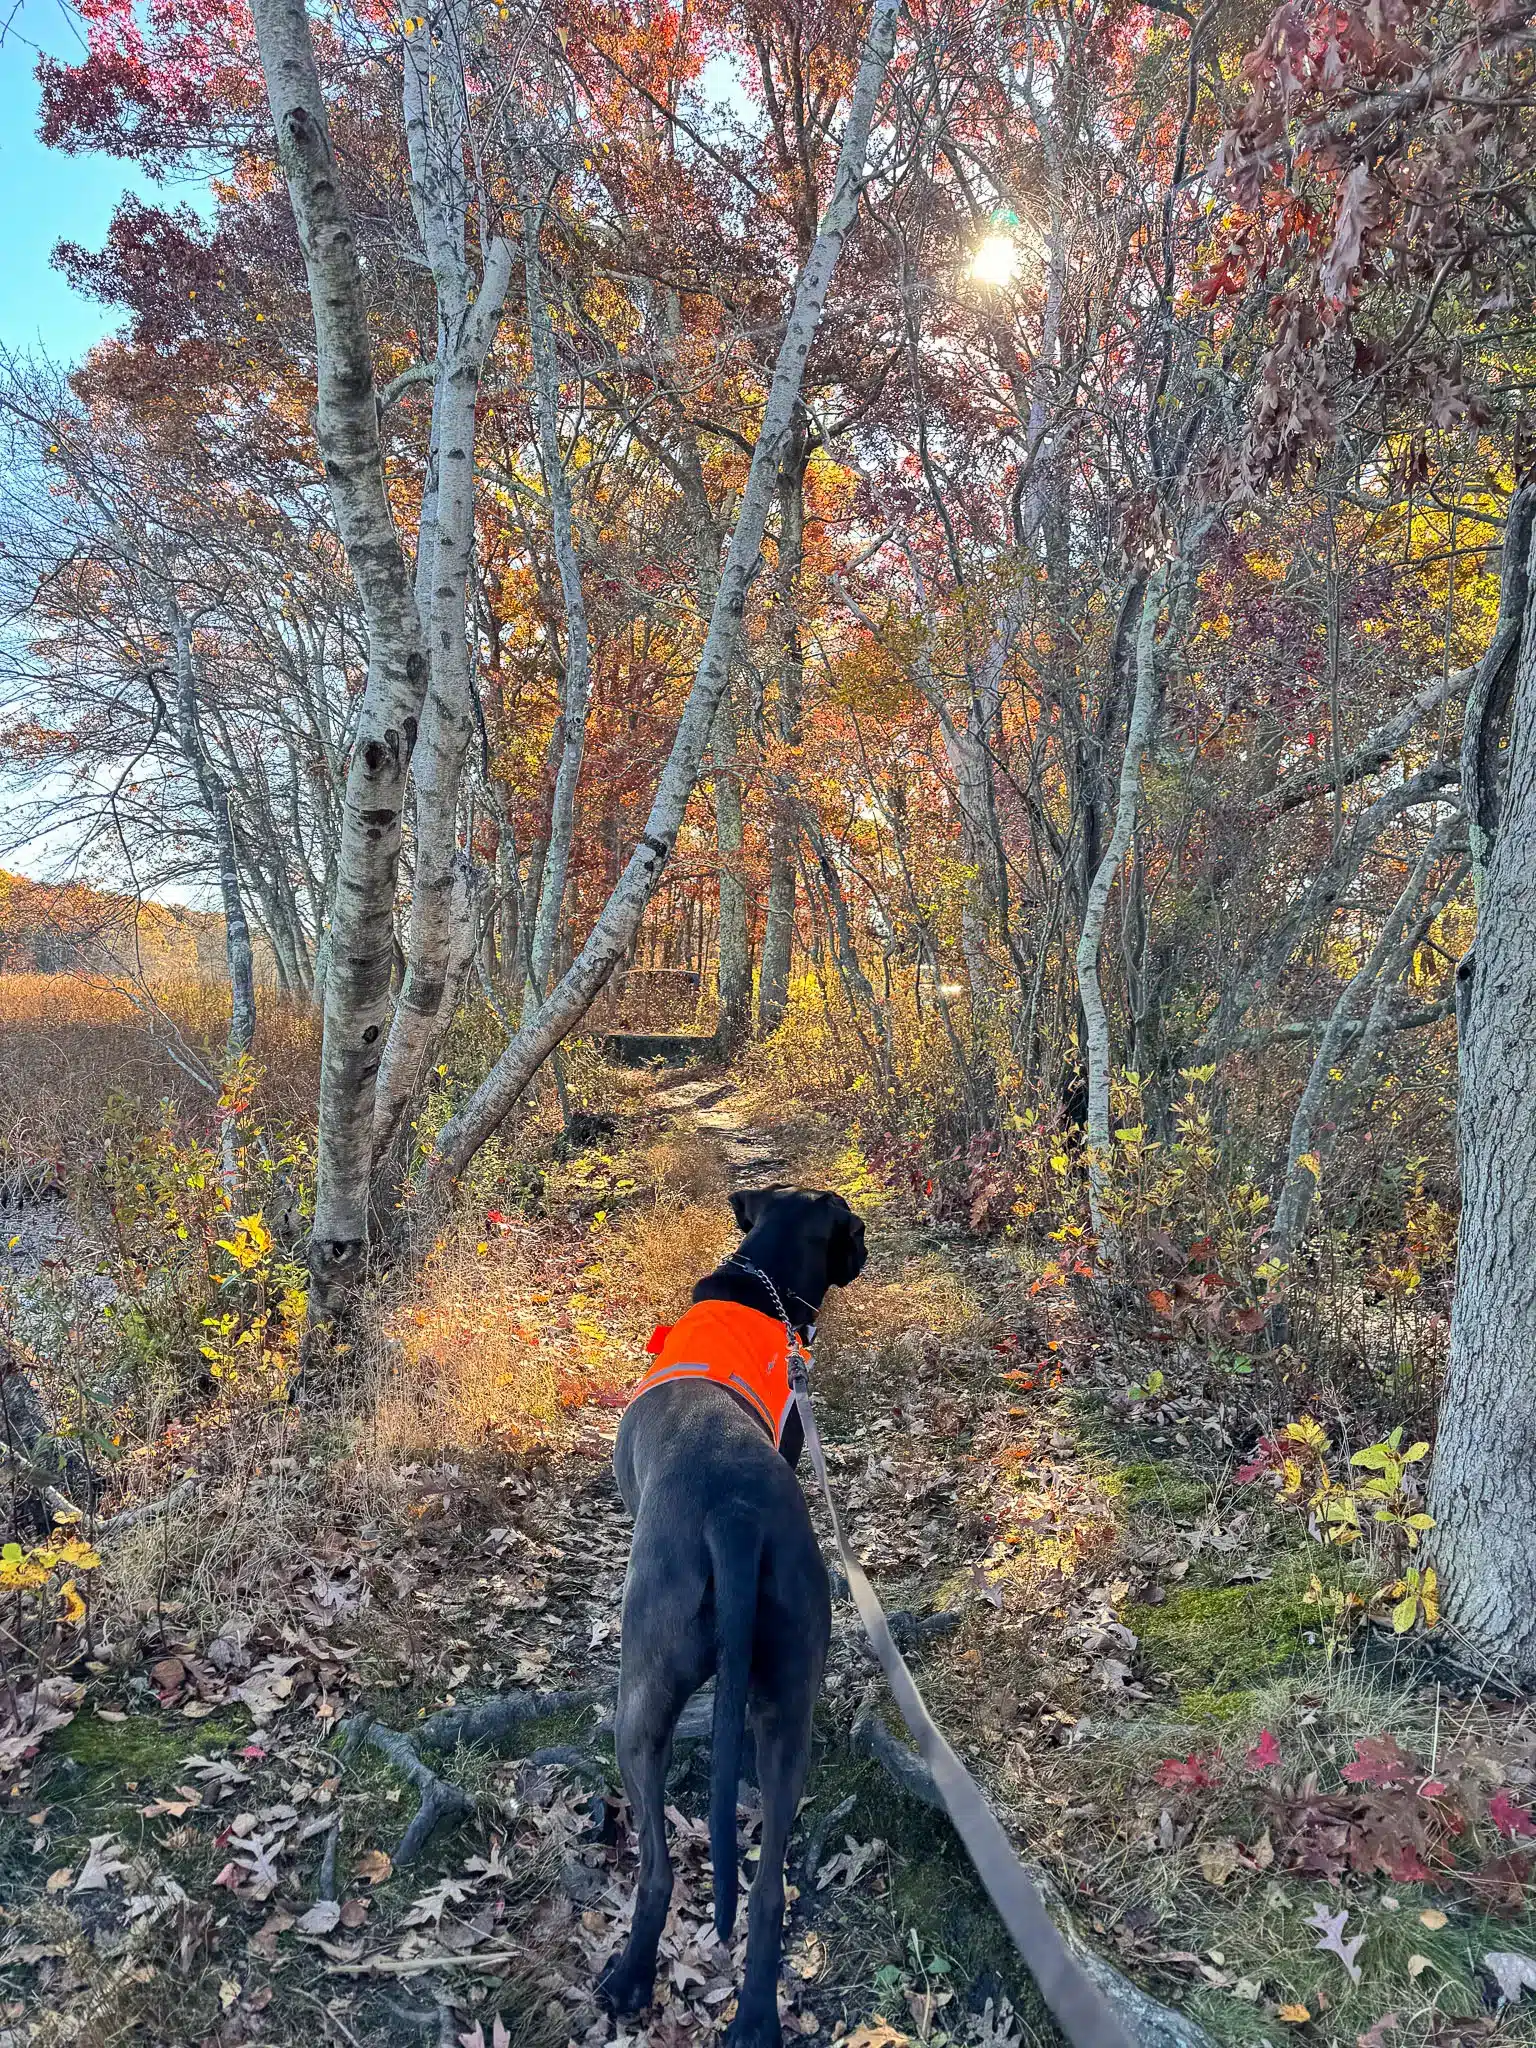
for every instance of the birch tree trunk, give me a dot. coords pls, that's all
(576, 677)
(359, 952)
(783, 826)
(214, 795)
(467, 318)
(1483, 1481)
(734, 971)
(1096, 1052)
(615, 928)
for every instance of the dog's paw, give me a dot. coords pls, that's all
(755, 2030)
(622, 1991)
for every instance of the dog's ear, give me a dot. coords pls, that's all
(845, 1250)
(748, 1204)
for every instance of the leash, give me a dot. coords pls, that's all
(1079, 2007)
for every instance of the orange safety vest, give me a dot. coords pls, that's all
(736, 1347)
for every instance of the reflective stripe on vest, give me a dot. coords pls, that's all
(736, 1347)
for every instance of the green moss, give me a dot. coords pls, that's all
(1161, 1487)
(1206, 1706)
(145, 1745)
(1214, 1642)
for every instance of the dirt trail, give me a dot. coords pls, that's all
(751, 1155)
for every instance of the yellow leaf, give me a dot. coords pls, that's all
(1059, 1162)
(1433, 1919)
(1417, 1965)
(1296, 2015)
(1429, 1593)
(72, 1607)
(1405, 1613)
(373, 1866)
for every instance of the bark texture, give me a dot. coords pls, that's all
(576, 677)
(468, 315)
(361, 947)
(1483, 1485)
(1096, 1050)
(620, 918)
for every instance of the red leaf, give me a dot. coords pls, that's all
(1265, 1753)
(1407, 1866)
(1160, 1301)
(1508, 1818)
(1192, 1771)
(1379, 1761)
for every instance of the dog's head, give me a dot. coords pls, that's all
(808, 1236)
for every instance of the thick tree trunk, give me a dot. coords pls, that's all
(620, 918)
(1096, 1049)
(1483, 1483)
(360, 952)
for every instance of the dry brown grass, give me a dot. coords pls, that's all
(69, 1044)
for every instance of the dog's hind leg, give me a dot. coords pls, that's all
(665, 1655)
(643, 1738)
(783, 1754)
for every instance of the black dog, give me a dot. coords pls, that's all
(725, 1576)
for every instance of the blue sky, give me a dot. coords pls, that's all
(52, 197)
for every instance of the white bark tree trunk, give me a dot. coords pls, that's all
(467, 319)
(360, 948)
(1096, 1053)
(576, 677)
(620, 919)
(1483, 1481)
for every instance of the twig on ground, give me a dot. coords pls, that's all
(418, 1966)
(129, 1518)
(326, 1887)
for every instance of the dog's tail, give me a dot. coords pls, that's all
(735, 1549)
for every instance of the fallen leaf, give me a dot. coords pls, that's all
(168, 1674)
(59, 1880)
(101, 1865)
(373, 1866)
(1433, 1919)
(1417, 1965)
(322, 1918)
(1508, 1818)
(1218, 1860)
(1293, 2015)
(1375, 2035)
(1511, 1972)
(1265, 1753)
(1331, 1928)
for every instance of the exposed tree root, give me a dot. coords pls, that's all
(486, 1721)
(440, 1800)
(1144, 2019)
(490, 1720)
(816, 1840)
